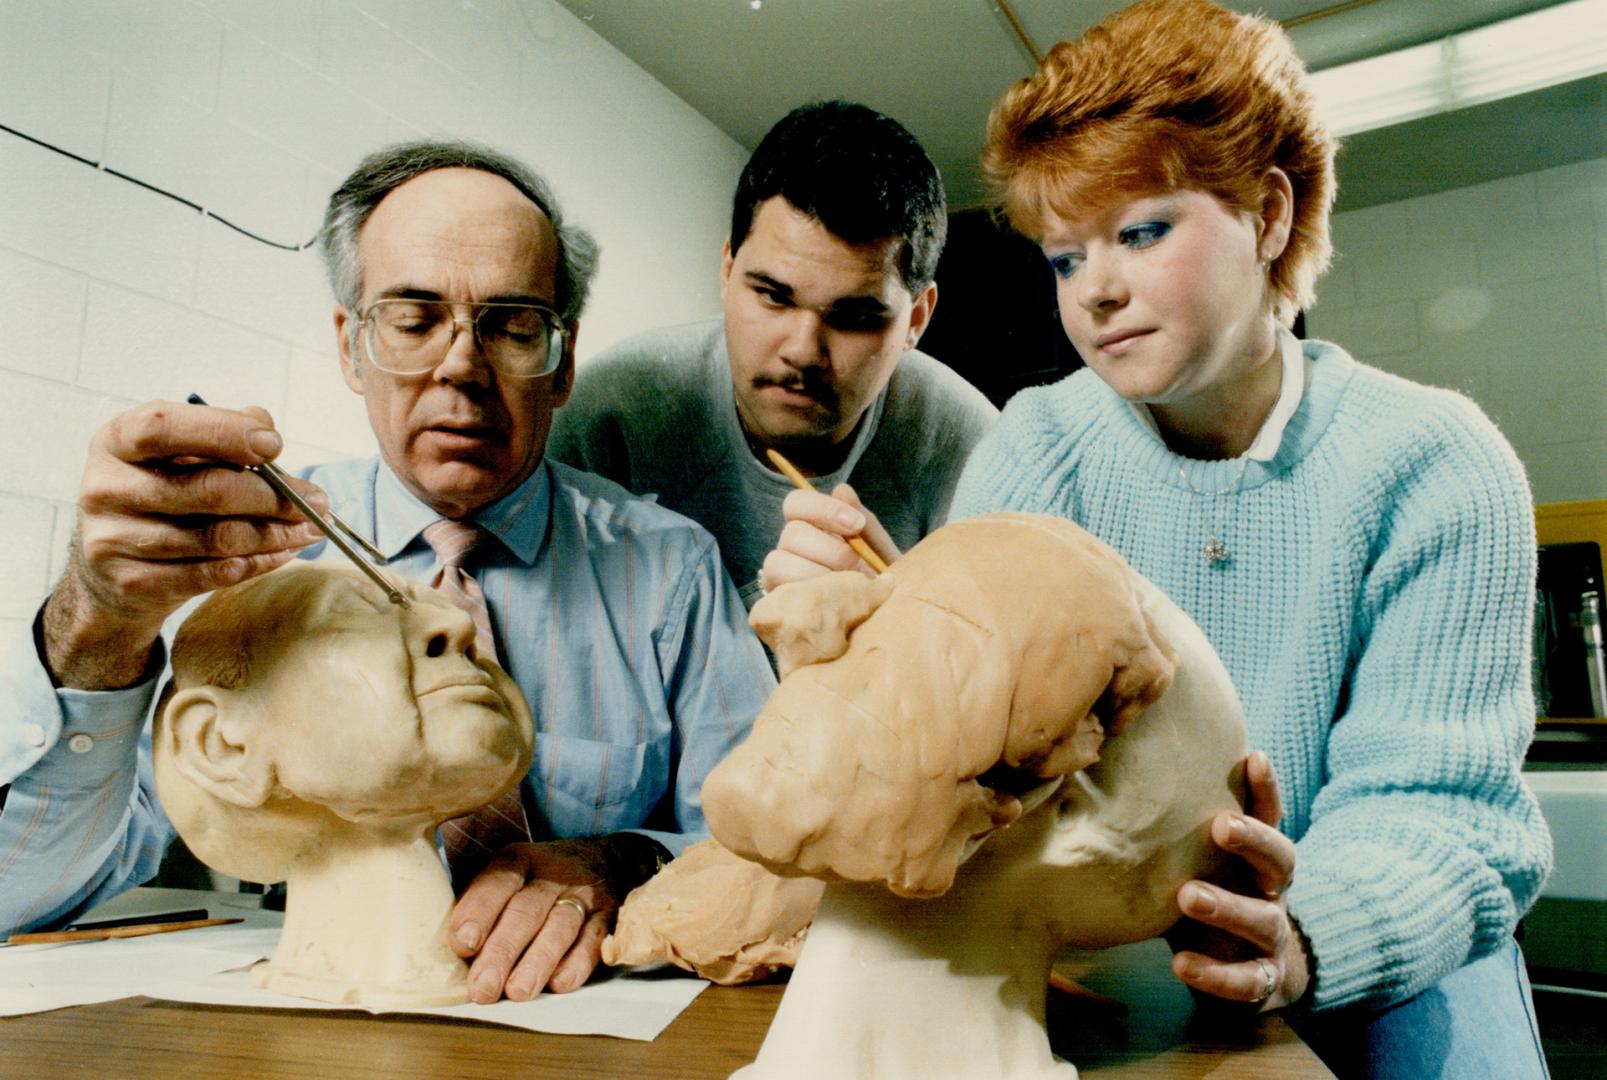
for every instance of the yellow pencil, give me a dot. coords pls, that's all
(801, 482)
(51, 937)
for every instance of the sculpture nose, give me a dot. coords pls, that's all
(435, 630)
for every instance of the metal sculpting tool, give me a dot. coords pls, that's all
(339, 533)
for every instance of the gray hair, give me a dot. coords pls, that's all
(383, 171)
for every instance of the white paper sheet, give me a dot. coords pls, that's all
(37, 978)
(628, 1005)
(209, 966)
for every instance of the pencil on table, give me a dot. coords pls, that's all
(52, 937)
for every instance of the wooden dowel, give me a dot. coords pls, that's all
(52, 937)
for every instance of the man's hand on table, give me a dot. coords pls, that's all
(536, 916)
(165, 513)
(1250, 950)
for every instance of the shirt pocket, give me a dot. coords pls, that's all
(587, 787)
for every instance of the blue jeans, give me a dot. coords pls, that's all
(1476, 1022)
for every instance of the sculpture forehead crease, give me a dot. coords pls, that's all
(1005, 639)
(231, 634)
(1069, 619)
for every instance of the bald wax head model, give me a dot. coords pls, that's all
(315, 733)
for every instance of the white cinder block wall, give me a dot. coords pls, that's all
(1499, 291)
(111, 295)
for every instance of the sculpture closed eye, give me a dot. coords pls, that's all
(1009, 742)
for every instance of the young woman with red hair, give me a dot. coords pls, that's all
(1358, 548)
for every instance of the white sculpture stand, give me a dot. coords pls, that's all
(394, 950)
(890, 987)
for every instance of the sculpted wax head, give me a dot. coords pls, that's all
(1008, 743)
(317, 734)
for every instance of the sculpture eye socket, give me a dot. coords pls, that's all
(436, 646)
(1010, 780)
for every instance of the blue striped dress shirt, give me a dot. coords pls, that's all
(613, 614)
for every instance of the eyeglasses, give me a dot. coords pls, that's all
(410, 337)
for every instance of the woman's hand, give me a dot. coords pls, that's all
(1250, 949)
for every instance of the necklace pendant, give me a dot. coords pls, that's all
(1215, 551)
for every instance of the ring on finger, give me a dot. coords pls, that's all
(1269, 976)
(570, 901)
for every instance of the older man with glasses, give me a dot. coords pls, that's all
(458, 287)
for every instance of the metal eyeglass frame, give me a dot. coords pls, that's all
(556, 334)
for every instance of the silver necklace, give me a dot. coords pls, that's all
(1214, 550)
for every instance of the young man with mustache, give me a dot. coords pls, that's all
(827, 285)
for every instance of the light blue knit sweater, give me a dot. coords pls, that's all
(1374, 616)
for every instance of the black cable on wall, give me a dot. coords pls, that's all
(197, 207)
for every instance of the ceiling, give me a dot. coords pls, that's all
(938, 65)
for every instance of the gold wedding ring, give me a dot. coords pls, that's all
(570, 901)
(1268, 973)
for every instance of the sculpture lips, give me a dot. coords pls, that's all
(477, 685)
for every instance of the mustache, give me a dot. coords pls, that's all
(807, 382)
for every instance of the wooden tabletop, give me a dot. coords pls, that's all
(1161, 1036)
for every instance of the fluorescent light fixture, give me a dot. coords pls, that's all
(1530, 52)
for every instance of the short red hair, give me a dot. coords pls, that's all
(1169, 94)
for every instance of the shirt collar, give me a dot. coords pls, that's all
(1292, 387)
(520, 519)
(1264, 447)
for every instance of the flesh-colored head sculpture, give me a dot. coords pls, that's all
(998, 654)
(1009, 742)
(313, 732)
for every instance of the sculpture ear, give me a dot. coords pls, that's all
(204, 732)
(807, 622)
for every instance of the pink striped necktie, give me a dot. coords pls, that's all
(453, 542)
(471, 840)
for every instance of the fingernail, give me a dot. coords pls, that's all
(487, 988)
(1201, 901)
(851, 520)
(469, 935)
(265, 442)
(1235, 831)
(518, 990)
